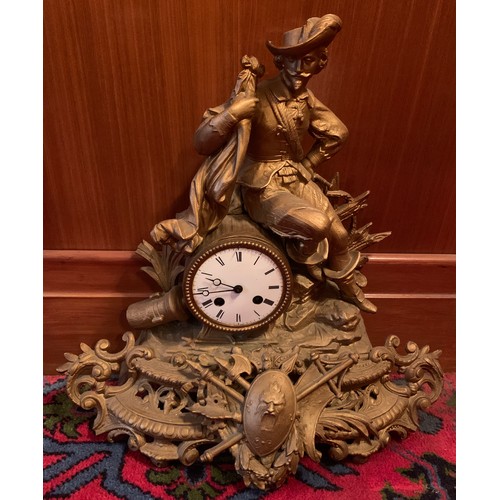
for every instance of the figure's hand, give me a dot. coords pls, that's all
(243, 107)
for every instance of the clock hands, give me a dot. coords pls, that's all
(218, 282)
(208, 292)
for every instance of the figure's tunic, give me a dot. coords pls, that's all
(276, 177)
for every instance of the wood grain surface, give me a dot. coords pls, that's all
(72, 320)
(118, 273)
(126, 83)
(86, 294)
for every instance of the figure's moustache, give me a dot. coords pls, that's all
(296, 80)
(293, 74)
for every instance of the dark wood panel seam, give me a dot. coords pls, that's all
(77, 256)
(99, 295)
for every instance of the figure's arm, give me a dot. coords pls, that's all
(218, 123)
(330, 134)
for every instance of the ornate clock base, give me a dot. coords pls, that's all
(267, 397)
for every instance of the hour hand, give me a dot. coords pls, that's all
(218, 282)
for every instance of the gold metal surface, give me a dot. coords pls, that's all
(282, 361)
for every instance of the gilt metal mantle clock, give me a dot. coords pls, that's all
(255, 344)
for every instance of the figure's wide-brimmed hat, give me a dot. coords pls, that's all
(317, 32)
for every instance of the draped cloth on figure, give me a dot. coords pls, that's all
(213, 185)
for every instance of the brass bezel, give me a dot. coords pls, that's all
(238, 242)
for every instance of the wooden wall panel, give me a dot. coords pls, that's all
(97, 273)
(86, 294)
(126, 82)
(84, 318)
(125, 85)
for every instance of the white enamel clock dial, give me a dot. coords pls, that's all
(238, 285)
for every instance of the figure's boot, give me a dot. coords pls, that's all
(346, 281)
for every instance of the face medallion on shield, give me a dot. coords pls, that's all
(269, 412)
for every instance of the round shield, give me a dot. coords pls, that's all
(269, 412)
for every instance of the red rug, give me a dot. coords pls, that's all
(80, 465)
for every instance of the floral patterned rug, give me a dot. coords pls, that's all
(80, 465)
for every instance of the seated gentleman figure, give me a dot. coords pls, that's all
(277, 177)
